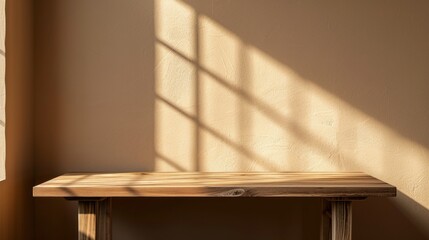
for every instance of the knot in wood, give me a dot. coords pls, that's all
(234, 192)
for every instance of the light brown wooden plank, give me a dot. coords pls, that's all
(185, 184)
(341, 220)
(87, 220)
(94, 220)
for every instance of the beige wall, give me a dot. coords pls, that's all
(16, 202)
(234, 86)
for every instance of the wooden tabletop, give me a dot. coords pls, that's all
(186, 184)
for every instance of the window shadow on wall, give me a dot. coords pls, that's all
(341, 67)
(227, 86)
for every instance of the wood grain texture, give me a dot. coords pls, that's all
(87, 223)
(341, 220)
(186, 184)
(94, 220)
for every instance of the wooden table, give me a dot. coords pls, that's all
(95, 191)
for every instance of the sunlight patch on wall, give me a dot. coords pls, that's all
(219, 51)
(219, 108)
(173, 73)
(174, 139)
(256, 114)
(219, 154)
(284, 102)
(174, 24)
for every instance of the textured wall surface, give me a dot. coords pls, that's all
(235, 86)
(16, 202)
